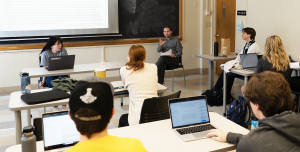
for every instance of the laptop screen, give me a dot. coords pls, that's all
(59, 130)
(188, 111)
(249, 60)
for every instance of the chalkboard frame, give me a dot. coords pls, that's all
(95, 43)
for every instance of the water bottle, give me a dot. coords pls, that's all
(254, 123)
(216, 49)
(28, 140)
(25, 83)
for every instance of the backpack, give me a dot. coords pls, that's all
(238, 110)
(215, 98)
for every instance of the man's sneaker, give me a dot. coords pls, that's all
(64, 108)
(56, 109)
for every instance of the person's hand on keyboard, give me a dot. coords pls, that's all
(217, 135)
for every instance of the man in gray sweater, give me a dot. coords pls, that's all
(269, 96)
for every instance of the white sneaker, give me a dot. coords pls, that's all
(56, 109)
(64, 108)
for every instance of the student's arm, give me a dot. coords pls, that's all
(221, 136)
(160, 44)
(43, 81)
(233, 138)
(178, 49)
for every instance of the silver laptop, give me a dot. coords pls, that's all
(190, 117)
(249, 61)
(61, 62)
(59, 131)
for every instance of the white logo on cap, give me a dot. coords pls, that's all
(88, 97)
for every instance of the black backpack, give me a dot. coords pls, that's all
(215, 98)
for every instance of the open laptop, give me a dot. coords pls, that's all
(61, 62)
(190, 117)
(59, 131)
(249, 61)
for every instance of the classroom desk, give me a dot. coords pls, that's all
(16, 104)
(78, 68)
(242, 72)
(159, 137)
(211, 58)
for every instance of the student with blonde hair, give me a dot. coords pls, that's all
(274, 58)
(140, 79)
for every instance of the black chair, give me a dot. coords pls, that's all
(294, 83)
(180, 65)
(287, 75)
(44, 85)
(156, 108)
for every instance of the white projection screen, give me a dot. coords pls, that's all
(30, 18)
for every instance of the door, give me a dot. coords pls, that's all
(225, 26)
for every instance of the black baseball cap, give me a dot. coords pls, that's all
(93, 93)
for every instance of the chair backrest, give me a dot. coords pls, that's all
(180, 60)
(259, 56)
(156, 108)
(287, 74)
(40, 61)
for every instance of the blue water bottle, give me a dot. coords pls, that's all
(254, 123)
(25, 83)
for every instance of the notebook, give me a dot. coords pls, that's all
(190, 117)
(59, 131)
(61, 62)
(249, 61)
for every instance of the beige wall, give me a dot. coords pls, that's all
(272, 17)
(193, 20)
(239, 42)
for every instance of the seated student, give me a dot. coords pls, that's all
(140, 79)
(54, 47)
(275, 57)
(91, 108)
(250, 47)
(269, 96)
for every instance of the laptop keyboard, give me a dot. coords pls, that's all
(195, 129)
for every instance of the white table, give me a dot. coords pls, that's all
(78, 68)
(16, 104)
(159, 137)
(211, 58)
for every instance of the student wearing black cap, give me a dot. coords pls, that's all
(91, 108)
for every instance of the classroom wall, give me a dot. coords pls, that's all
(12, 62)
(272, 17)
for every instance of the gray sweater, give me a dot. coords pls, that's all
(279, 133)
(173, 44)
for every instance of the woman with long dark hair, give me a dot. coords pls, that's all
(54, 47)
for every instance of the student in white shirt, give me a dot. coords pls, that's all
(250, 47)
(140, 79)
